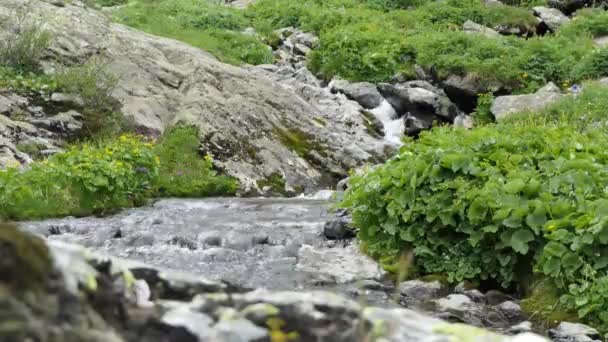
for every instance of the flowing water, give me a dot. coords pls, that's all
(393, 125)
(271, 243)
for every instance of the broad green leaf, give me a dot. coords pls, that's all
(520, 240)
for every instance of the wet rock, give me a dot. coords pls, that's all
(495, 297)
(418, 105)
(523, 327)
(339, 228)
(364, 93)
(195, 323)
(475, 296)
(504, 106)
(472, 27)
(511, 310)
(184, 242)
(551, 17)
(240, 330)
(574, 332)
(345, 265)
(420, 290)
(464, 90)
(601, 41)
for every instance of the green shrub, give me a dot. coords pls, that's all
(25, 44)
(94, 84)
(360, 52)
(392, 4)
(592, 66)
(593, 22)
(183, 171)
(87, 179)
(479, 204)
(26, 81)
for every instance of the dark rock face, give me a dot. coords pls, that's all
(364, 93)
(420, 104)
(571, 6)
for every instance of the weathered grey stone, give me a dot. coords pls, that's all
(196, 323)
(601, 41)
(339, 228)
(551, 17)
(511, 310)
(574, 332)
(464, 121)
(419, 106)
(420, 290)
(472, 27)
(604, 81)
(504, 106)
(344, 265)
(239, 330)
(365, 93)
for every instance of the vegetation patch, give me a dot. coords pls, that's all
(276, 182)
(183, 171)
(200, 23)
(299, 142)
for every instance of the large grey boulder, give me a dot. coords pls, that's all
(551, 17)
(364, 93)
(252, 122)
(472, 27)
(505, 106)
(574, 332)
(420, 104)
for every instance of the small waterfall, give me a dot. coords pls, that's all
(393, 125)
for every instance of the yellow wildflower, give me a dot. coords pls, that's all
(551, 227)
(157, 160)
(525, 75)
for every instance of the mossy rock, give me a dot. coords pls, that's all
(542, 305)
(25, 261)
(275, 181)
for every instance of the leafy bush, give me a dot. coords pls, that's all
(480, 204)
(26, 81)
(183, 171)
(392, 4)
(94, 84)
(87, 179)
(199, 23)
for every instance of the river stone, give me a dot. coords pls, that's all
(574, 332)
(551, 17)
(345, 265)
(511, 310)
(505, 106)
(420, 290)
(365, 93)
(339, 228)
(196, 323)
(239, 330)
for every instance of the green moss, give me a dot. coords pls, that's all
(429, 278)
(320, 121)
(301, 143)
(32, 149)
(543, 305)
(275, 182)
(373, 127)
(25, 261)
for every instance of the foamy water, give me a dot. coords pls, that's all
(393, 126)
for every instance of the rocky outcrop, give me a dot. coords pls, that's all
(552, 18)
(504, 106)
(364, 93)
(571, 6)
(420, 104)
(255, 123)
(69, 294)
